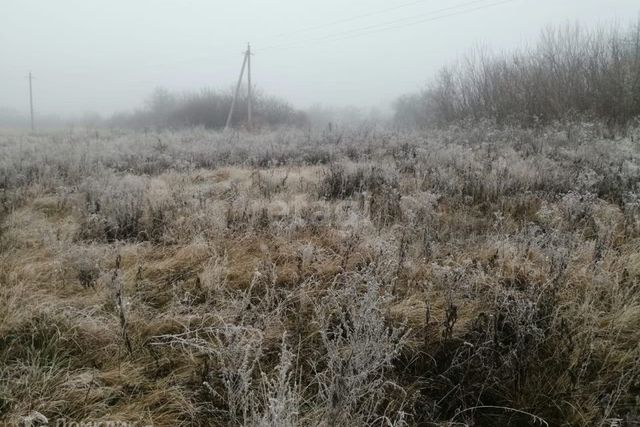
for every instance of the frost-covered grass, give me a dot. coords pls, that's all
(468, 276)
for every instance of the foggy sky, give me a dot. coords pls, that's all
(108, 55)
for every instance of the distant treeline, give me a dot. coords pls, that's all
(208, 108)
(571, 72)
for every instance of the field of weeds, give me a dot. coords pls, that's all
(467, 277)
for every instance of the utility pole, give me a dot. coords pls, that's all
(235, 95)
(249, 100)
(31, 99)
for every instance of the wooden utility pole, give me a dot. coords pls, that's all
(235, 95)
(31, 99)
(249, 100)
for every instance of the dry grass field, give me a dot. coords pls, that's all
(460, 277)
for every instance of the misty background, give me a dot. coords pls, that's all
(99, 58)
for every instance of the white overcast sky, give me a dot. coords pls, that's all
(108, 55)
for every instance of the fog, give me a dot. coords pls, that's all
(107, 56)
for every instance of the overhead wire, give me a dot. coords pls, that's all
(356, 32)
(349, 19)
(316, 27)
(360, 31)
(365, 30)
(390, 25)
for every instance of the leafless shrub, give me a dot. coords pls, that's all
(86, 269)
(359, 347)
(237, 351)
(384, 205)
(571, 72)
(338, 182)
(126, 209)
(114, 210)
(207, 108)
(281, 398)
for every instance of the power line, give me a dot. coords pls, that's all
(381, 24)
(437, 18)
(366, 30)
(344, 35)
(350, 19)
(332, 23)
(339, 21)
(328, 24)
(391, 25)
(302, 30)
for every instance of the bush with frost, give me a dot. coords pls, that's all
(360, 348)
